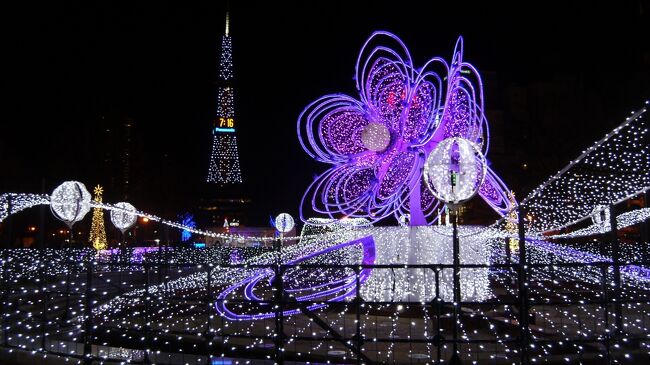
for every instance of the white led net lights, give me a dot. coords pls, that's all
(12, 203)
(622, 221)
(427, 245)
(614, 169)
(123, 310)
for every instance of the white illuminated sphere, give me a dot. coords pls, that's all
(70, 202)
(121, 218)
(455, 156)
(600, 215)
(404, 219)
(375, 137)
(284, 222)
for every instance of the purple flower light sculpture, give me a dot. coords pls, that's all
(377, 144)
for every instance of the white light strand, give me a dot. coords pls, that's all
(614, 169)
(622, 221)
(20, 202)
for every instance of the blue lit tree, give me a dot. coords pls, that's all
(187, 219)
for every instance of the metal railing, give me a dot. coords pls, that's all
(56, 312)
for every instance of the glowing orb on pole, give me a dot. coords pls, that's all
(284, 222)
(122, 217)
(600, 217)
(455, 170)
(70, 202)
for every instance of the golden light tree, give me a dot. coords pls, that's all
(97, 230)
(512, 221)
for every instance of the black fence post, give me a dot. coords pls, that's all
(605, 297)
(46, 303)
(455, 356)
(279, 304)
(5, 271)
(644, 231)
(209, 301)
(605, 301)
(359, 340)
(9, 223)
(5, 277)
(166, 276)
(88, 308)
(147, 299)
(617, 269)
(159, 259)
(437, 301)
(524, 330)
(68, 277)
(41, 222)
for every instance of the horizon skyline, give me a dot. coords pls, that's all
(168, 159)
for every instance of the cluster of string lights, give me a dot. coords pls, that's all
(167, 298)
(384, 317)
(392, 245)
(123, 214)
(614, 169)
(623, 220)
(12, 203)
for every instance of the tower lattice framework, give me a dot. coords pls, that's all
(224, 160)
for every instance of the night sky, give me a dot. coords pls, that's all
(557, 77)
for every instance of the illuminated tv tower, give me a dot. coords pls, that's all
(224, 159)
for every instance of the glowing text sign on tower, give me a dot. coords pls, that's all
(225, 125)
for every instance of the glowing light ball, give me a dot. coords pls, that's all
(455, 170)
(122, 218)
(600, 217)
(375, 137)
(70, 202)
(284, 222)
(404, 219)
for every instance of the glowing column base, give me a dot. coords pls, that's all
(426, 245)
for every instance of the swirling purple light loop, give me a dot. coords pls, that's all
(332, 291)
